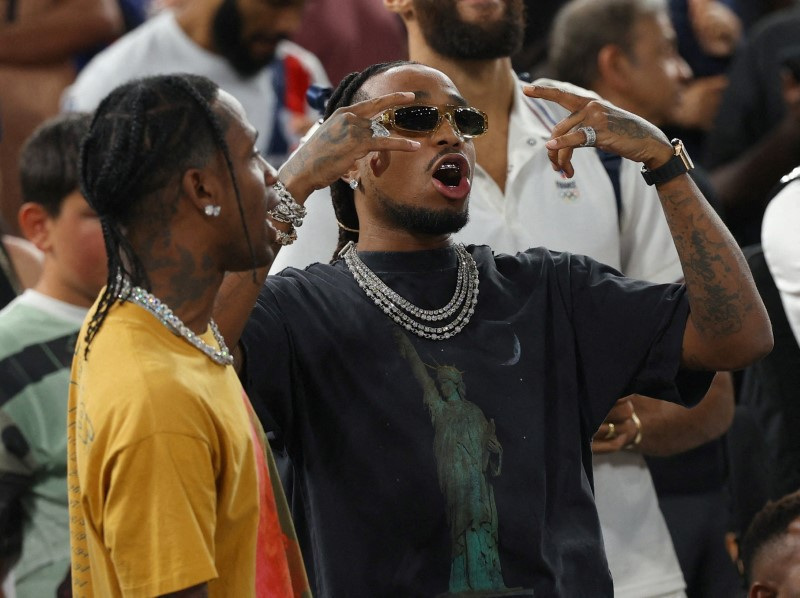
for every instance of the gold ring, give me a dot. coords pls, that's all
(612, 432)
(638, 438)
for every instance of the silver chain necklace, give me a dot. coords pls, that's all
(173, 323)
(460, 307)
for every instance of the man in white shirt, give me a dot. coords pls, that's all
(781, 250)
(239, 44)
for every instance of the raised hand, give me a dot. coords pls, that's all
(341, 140)
(616, 130)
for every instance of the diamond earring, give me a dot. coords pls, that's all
(354, 184)
(212, 211)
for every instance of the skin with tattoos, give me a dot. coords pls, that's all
(728, 326)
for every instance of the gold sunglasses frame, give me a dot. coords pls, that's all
(447, 111)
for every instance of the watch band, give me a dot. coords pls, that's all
(680, 163)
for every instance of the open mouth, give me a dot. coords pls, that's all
(451, 177)
(451, 170)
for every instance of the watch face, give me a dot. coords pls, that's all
(680, 151)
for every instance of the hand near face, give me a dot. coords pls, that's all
(700, 102)
(618, 131)
(716, 27)
(341, 140)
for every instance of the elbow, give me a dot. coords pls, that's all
(765, 344)
(751, 348)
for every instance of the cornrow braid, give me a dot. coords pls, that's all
(346, 93)
(143, 136)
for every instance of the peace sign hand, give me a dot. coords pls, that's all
(616, 130)
(343, 138)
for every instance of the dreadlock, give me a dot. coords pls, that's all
(346, 93)
(144, 135)
(770, 524)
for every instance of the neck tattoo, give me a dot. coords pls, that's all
(173, 323)
(458, 310)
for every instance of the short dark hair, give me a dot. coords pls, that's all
(346, 93)
(144, 135)
(767, 527)
(581, 28)
(48, 160)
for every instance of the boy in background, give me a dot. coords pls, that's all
(38, 331)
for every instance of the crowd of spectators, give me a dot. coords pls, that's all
(676, 488)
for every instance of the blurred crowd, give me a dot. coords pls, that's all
(677, 496)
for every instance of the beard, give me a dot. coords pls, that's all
(230, 43)
(451, 37)
(423, 220)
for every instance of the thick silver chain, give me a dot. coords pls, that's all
(460, 308)
(160, 310)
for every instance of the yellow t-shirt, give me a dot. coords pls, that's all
(163, 476)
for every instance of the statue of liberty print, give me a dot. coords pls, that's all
(467, 453)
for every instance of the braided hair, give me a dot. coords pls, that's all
(144, 135)
(346, 93)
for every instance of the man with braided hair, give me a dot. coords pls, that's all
(171, 487)
(547, 343)
(605, 211)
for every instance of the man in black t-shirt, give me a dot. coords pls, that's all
(400, 499)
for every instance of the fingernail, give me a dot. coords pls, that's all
(552, 144)
(415, 144)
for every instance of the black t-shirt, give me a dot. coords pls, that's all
(472, 471)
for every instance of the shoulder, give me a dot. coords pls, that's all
(532, 264)
(290, 50)
(781, 219)
(131, 56)
(26, 259)
(23, 324)
(783, 210)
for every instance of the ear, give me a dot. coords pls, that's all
(613, 67)
(404, 8)
(34, 222)
(760, 590)
(200, 187)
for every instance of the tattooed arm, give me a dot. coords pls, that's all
(728, 327)
(328, 154)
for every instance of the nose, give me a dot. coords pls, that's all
(447, 132)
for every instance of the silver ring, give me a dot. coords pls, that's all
(378, 130)
(591, 136)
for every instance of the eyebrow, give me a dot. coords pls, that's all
(454, 97)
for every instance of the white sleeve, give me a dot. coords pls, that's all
(781, 244)
(646, 246)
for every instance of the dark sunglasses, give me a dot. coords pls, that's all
(468, 122)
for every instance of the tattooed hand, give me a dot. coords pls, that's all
(618, 131)
(341, 140)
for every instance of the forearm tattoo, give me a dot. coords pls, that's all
(712, 281)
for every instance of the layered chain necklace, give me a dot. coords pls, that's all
(173, 323)
(456, 313)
